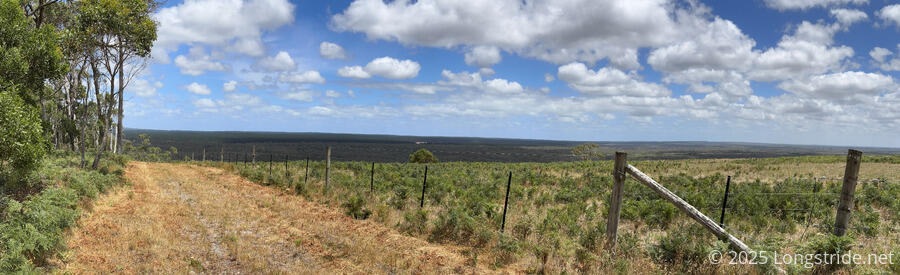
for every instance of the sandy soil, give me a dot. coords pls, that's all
(177, 218)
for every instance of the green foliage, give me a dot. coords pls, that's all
(587, 151)
(145, 151)
(355, 207)
(21, 142)
(33, 231)
(687, 248)
(830, 244)
(414, 222)
(28, 56)
(422, 156)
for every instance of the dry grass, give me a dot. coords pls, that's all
(182, 219)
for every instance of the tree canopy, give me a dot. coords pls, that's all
(587, 151)
(422, 156)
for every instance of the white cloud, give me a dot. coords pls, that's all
(548, 77)
(281, 62)
(807, 52)
(555, 31)
(198, 89)
(299, 95)
(805, 4)
(229, 86)
(486, 72)
(204, 103)
(879, 55)
(849, 16)
(845, 87)
(332, 51)
(304, 77)
(607, 82)
(332, 93)
(483, 56)
(890, 14)
(391, 68)
(143, 88)
(237, 25)
(197, 62)
(353, 72)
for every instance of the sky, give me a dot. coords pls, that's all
(771, 71)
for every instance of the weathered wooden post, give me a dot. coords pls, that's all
(306, 175)
(287, 174)
(615, 199)
(204, 154)
(222, 155)
(254, 155)
(327, 165)
(192, 156)
(372, 180)
(270, 169)
(725, 202)
(424, 183)
(506, 202)
(851, 174)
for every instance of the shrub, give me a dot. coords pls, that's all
(354, 207)
(454, 225)
(684, 248)
(422, 156)
(33, 230)
(830, 244)
(414, 222)
(21, 140)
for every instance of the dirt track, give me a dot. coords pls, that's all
(184, 218)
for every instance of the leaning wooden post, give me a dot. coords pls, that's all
(327, 166)
(851, 174)
(424, 183)
(615, 199)
(372, 180)
(506, 202)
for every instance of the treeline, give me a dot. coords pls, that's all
(65, 68)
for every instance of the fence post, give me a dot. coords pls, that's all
(287, 175)
(851, 173)
(306, 175)
(424, 183)
(506, 202)
(372, 180)
(270, 169)
(204, 154)
(725, 202)
(615, 199)
(222, 155)
(327, 166)
(254, 155)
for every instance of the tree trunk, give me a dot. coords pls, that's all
(101, 121)
(119, 126)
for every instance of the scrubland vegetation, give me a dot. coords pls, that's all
(557, 211)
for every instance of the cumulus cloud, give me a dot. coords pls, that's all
(483, 56)
(332, 93)
(391, 68)
(607, 82)
(204, 103)
(880, 59)
(229, 86)
(890, 14)
(197, 89)
(330, 50)
(299, 95)
(197, 62)
(849, 16)
(144, 88)
(353, 72)
(302, 78)
(783, 5)
(281, 62)
(846, 87)
(548, 77)
(555, 31)
(237, 25)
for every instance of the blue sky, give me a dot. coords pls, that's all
(779, 71)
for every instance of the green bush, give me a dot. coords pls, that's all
(830, 244)
(422, 156)
(684, 248)
(355, 207)
(21, 141)
(33, 231)
(414, 222)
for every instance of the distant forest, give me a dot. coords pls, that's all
(388, 148)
